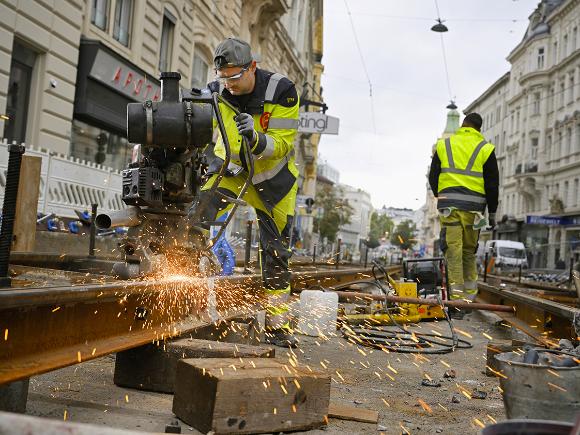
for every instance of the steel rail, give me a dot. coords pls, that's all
(541, 319)
(43, 329)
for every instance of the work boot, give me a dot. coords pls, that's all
(281, 338)
(456, 313)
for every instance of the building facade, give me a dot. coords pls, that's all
(532, 114)
(353, 233)
(68, 68)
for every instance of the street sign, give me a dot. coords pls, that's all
(316, 122)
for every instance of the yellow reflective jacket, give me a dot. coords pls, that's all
(274, 105)
(462, 157)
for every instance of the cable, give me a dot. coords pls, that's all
(363, 65)
(401, 340)
(444, 55)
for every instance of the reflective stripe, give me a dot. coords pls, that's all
(462, 197)
(449, 154)
(462, 172)
(272, 85)
(286, 123)
(476, 151)
(271, 173)
(468, 169)
(269, 150)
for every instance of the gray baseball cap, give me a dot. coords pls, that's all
(232, 52)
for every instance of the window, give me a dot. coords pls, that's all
(551, 99)
(549, 147)
(570, 89)
(576, 193)
(498, 114)
(21, 68)
(559, 146)
(565, 194)
(555, 53)
(565, 46)
(99, 13)
(166, 42)
(562, 93)
(568, 141)
(199, 73)
(534, 148)
(536, 104)
(547, 198)
(540, 58)
(574, 38)
(122, 27)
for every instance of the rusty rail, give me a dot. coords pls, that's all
(43, 329)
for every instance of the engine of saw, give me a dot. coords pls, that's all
(165, 178)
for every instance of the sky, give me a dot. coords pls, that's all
(384, 143)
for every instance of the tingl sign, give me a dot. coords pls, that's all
(315, 122)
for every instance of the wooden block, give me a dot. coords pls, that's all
(345, 412)
(229, 396)
(27, 204)
(152, 368)
(245, 330)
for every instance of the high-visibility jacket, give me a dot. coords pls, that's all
(462, 157)
(274, 105)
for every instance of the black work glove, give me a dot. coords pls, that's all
(491, 219)
(245, 125)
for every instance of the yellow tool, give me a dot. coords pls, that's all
(383, 314)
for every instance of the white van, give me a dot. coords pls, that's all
(507, 253)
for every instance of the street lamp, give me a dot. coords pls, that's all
(439, 27)
(451, 105)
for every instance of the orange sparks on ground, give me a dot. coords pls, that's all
(127, 398)
(6, 334)
(79, 359)
(479, 423)
(65, 415)
(56, 309)
(425, 406)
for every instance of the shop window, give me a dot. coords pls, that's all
(199, 74)
(21, 73)
(101, 146)
(166, 41)
(122, 27)
(99, 13)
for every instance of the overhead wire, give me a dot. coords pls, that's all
(363, 65)
(451, 97)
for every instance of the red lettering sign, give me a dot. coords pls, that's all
(156, 97)
(129, 78)
(138, 86)
(148, 87)
(117, 75)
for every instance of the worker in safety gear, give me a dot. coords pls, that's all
(268, 105)
(465, 179)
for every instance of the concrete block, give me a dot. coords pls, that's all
(13, 396)
(250, 396)
(247, 330)
(153, 367)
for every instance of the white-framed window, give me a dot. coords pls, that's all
(562, 93)
(122, 24)
(100, 13)
(568, 141)
(555, 53)
(549, 147)
(576, 192)
(565, 46)
(574, 38)
(536, 103)
(565, 193)
(199, 72)
(540, 59)
(166, 47)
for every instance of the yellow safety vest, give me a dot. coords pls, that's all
(275, 171)
(462, 158)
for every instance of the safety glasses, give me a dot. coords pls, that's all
(234, 77)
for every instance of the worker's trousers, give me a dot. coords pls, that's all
(274, 252)
(458, 242)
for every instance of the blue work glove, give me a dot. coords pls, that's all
(245, 125)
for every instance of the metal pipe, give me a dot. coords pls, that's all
(248, 252)
(338, 253)
(15, 153)
(129, 217)
(485, 268)
(430, 302)
(93, 233)
(314, 255)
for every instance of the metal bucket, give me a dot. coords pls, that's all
(528, 427)
(539, 392)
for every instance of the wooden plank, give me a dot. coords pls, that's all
(152, 368)
(252, 395)
(27, 204)
(345, 412)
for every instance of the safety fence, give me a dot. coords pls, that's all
(68, 183)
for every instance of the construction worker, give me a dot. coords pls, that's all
(464, 178)
(269, 105)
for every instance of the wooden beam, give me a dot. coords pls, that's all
(27, 204)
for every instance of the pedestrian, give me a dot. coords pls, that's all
(268, 120)
(465, 179)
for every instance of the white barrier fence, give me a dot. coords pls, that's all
(68, 183)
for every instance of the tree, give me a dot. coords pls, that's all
(336, 211)
(380, 226)
(404, 235)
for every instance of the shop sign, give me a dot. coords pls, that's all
(549, 220)
(316, 122)
(123, 78)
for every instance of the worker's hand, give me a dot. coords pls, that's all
(492, 222)
(245, 125)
